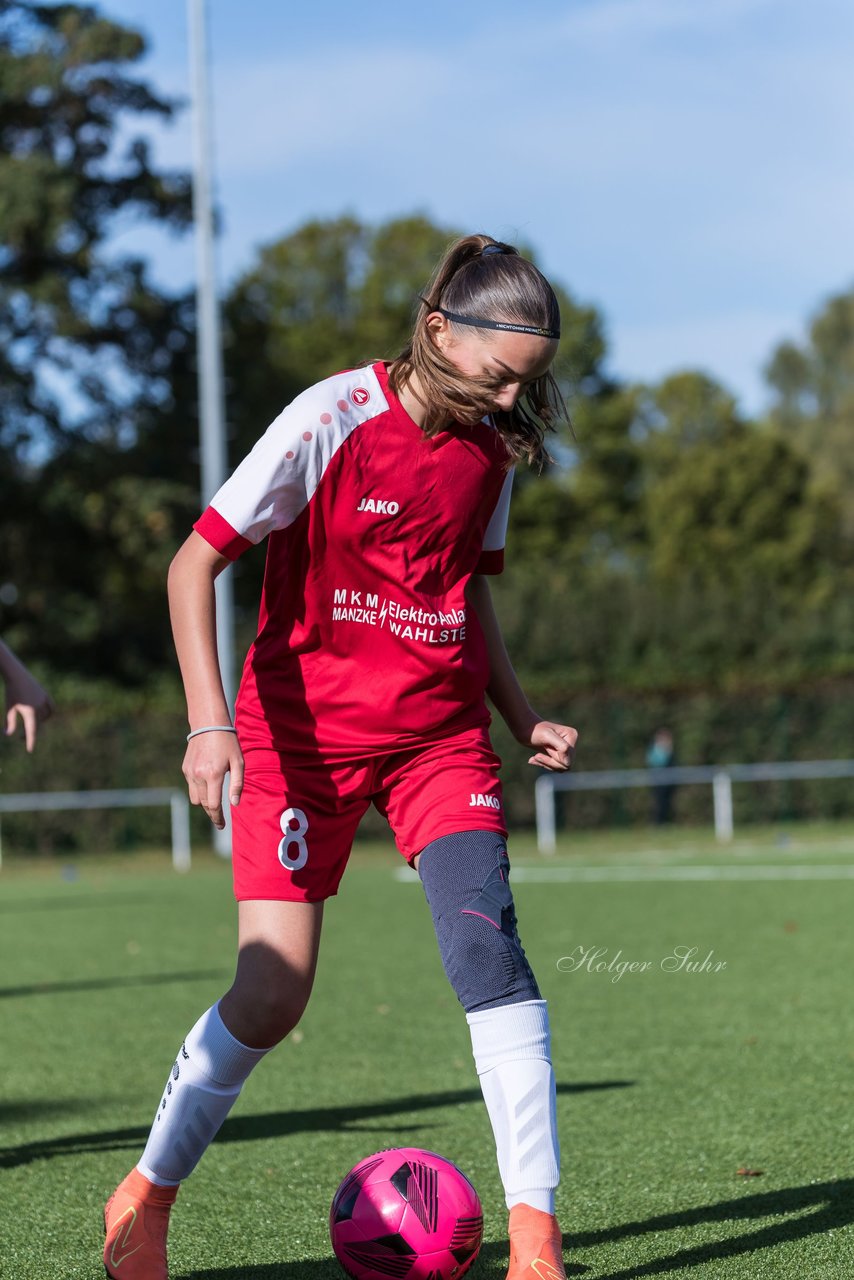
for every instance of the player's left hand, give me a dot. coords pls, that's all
(556, 743)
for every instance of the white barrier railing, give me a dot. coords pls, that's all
(721, 778)
(179, 806)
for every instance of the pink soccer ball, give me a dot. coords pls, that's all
(406, 1213)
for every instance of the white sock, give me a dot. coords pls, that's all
(203, 1086)
(512, 1054)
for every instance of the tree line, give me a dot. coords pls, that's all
(674, 550)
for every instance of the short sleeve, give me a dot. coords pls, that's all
(276, 481)
(492, 556)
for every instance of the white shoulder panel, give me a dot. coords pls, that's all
(496, 531)
(276, 481)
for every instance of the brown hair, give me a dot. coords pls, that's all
(498, 286)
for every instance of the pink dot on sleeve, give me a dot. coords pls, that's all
(326, 418)
(343, 406)
(289, 454)
(306, 435)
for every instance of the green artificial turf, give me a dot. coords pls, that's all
(668, 1082)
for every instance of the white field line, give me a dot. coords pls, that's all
(787, 849)
(564, 874)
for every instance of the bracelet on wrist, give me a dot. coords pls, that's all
(212, 728)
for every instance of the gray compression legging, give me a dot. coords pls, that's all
(467, 881)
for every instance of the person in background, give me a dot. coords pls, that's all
(25, 697)
(660, 755)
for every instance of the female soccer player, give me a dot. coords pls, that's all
(383, 493)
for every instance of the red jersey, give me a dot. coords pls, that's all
(365, 642)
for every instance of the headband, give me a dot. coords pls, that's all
(503, 325)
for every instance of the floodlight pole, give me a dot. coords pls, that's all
(209, 347)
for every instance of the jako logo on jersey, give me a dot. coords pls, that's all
(381, 506)
(360, 395)
(480, 801)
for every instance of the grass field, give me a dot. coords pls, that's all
(669, 1082)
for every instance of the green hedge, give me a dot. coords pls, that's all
(107, 737)
(100, 737)
(741, 727)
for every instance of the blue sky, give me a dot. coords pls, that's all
(685, 165)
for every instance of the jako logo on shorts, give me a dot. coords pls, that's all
(480, 801)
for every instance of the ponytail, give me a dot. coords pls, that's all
(488, 283)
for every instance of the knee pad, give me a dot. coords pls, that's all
(466, 878)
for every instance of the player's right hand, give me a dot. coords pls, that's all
(209, 757)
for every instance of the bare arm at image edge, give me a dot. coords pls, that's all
(25, 697)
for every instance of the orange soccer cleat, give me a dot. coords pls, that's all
(136, 1219)
(536, 1251)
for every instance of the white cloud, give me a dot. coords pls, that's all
(626, 19)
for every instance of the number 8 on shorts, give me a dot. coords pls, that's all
(293, 850)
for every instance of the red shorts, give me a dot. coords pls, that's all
(294, 827)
